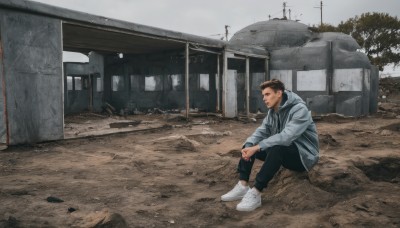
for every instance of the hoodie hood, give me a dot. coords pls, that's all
(290, 99)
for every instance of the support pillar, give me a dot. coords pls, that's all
(217, 85)
(224, 75)
(267, 76)
(187, 79)
(247, 87)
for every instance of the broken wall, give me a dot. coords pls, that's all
(374, 92)
(32, 60)
(143, 82)
(76, 96)
(96, 62)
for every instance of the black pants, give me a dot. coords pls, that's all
(273, 157)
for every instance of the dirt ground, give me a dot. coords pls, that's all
(161, 171)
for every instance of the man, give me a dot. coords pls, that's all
(287, 137)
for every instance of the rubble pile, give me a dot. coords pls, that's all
(389, 89)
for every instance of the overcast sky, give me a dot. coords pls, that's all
(208, 17)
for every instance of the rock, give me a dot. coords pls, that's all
(386, 133)
(327, 139)
(158, 111)
(398, 117)
(3, 147)
(103, 219)
(176, 143)
(10, 223)
(52, 199)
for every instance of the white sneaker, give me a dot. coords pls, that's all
(250, 201)
(236, 193)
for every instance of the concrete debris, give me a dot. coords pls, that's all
(176, 118)
(125, 124)
(176, 143)
(327, 139)
(386, 133)
(109, 108)
(103, 219)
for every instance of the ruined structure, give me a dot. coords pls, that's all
(136, 67)
(325, 69)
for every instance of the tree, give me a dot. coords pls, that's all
(378, 34)
(325, 28)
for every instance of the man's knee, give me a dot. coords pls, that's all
(275, 149)
(260, 155)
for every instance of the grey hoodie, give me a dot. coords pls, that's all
(296, 126)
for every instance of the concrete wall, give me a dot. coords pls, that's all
(33, 76)
(256, 99)
(351, 90)
(328, 74)
(78, 100)
(3, 128)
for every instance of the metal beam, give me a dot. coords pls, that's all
(244, 53)
(200, 49)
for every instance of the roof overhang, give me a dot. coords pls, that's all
(84, 32)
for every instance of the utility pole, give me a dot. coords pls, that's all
(284, 10)
(269, 16)
(321, 13)
(290, 14)
(226, 32)
(320, 7)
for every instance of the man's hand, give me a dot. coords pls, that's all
(249, 151)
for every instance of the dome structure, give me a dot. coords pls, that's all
(273, 34)
(340, 40)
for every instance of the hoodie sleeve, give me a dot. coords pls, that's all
(298, 122)
(262, 132)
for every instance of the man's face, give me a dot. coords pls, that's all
(271, 98)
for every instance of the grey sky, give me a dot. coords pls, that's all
(208, 17)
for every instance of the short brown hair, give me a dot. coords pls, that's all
(274, 84)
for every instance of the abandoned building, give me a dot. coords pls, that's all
(135, 68)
